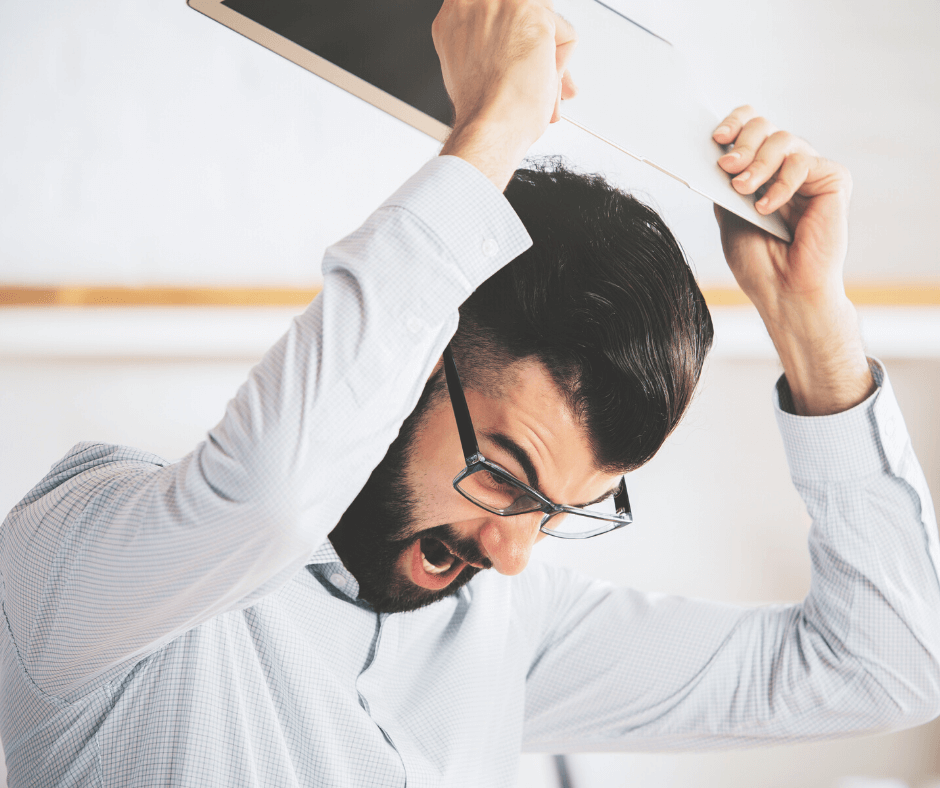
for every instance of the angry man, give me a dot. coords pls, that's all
(330, 589)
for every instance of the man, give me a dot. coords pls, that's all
(193, 624)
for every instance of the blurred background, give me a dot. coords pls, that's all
(167, 190)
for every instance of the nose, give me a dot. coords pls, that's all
(508, 541)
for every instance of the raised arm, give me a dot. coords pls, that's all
(797, 288)
(617, 669)
(117, 552)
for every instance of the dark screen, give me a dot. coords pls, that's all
(384, 42)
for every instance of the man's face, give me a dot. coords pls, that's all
(410, 539)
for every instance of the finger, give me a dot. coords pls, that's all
(566, 40)
(790, 177)
(769, 158)
(731, 126)
(826, 177)
(568, 88)
(565, 34)
(746, 145)
(563, 55)
(556, 113)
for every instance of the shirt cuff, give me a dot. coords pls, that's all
(865, 440)
(471, 218)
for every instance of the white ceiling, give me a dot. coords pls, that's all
(143, 143)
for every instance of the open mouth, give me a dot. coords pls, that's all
(437, 558)
(433, 566)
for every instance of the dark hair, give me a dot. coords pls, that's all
(605, 300)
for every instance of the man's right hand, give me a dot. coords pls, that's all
(505, 69)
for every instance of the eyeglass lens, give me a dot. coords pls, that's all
(502, 496)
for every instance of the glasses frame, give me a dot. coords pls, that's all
(476, 462)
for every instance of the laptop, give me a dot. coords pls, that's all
(635, 90)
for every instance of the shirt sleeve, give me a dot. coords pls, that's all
(622, 670)
(117, 552)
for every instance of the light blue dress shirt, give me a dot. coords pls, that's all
(189, 624)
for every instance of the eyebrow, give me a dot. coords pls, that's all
(521, 456)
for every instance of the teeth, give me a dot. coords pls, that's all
(436, 570)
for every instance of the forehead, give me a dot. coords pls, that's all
(527, 391)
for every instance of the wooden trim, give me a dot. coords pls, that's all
(156, 296)
(909, 294)
(888, 294)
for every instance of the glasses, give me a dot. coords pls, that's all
(493, 488)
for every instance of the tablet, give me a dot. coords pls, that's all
(635, 89)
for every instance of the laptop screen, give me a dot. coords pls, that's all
(637, 92)
(384, 42)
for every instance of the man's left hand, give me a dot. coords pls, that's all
(797, 288)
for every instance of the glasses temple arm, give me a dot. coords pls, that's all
(621, 499)
(468, 440)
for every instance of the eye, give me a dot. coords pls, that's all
(495, 482)
(507, 464)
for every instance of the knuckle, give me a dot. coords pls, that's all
(804, 145)
(770, 155)
(563, 23)
(738, 116)
(760, 125)
(799, 158)
(802, 162)
(538, 19)
(784, 139)
(843, 175)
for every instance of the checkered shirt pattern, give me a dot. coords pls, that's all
(189, 624)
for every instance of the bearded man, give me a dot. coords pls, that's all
(329, 590)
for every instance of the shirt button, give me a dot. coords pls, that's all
(338, 580)
(890, 427)
(490, 247)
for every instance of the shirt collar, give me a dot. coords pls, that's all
(324, 554)
(325, 561)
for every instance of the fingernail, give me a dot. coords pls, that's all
(762, 203)
(723, 130)
(744, 176)
(732, 156)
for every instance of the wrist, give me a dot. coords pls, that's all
(823, 357)
(495, 149)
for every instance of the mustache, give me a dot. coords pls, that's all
(464, 547)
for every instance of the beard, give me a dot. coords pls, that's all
(379, 527)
